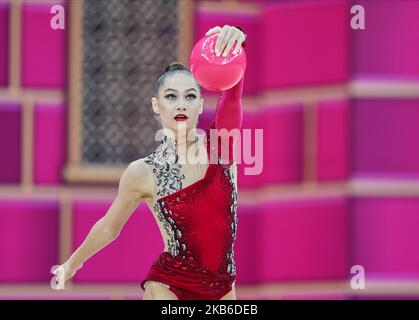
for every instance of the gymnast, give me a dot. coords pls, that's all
(194, 205)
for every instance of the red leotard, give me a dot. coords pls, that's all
(200, 219)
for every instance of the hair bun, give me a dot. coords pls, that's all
(175, 66)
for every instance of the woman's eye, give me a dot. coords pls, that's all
(192, 96)
(169, 96)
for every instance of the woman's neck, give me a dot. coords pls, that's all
(183, 142)
(183, 139)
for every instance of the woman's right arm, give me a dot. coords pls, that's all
(133, 187)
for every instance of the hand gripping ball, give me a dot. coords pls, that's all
(216, 73)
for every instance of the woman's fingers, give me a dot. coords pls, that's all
(219, 46)
(229, 38)
(54, 282)
(61, 281)
(55, 279)
(240, 40)
(230, 45)
(226, 39)
(213, 30)
(57, 282)
(54, 268)
(60, 278)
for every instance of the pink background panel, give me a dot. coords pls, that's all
(251, 121)
(283, 144)
(247, 243)
(10, 142)
(250, 23)
(333, 140)
(385, 236)
(43, 49)
(385, 135)
(304, 43)
(126, 259)
(4, 44)
(389, 45)
(28, 239)
(49, 143)
(304, 239)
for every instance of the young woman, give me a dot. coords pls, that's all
(194, 204)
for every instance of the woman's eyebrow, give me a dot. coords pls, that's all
(176, 90)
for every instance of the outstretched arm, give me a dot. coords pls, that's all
(108, 228)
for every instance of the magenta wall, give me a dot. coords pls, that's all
(4, 44)
(10, 142)
(49, 150)
(304, 43)
(385, 134)
(44, 49)
(28, 239)
(304, 239)
(333, 140)
(283, 145)
(385, 236)
(388, 47)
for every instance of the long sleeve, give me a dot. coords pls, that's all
(228, 115)
(229, 111)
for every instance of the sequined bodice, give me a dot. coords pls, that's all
(200, 220)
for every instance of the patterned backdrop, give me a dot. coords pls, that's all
(127, 45)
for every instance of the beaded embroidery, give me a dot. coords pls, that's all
(168, 177)
(175, 234)
(231, 267)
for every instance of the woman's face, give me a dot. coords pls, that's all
(178, 94)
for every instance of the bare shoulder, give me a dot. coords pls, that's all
(140, 177)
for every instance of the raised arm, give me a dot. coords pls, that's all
(229, 111)
(132, 189)
(228, 116)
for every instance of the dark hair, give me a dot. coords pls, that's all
(172, 68)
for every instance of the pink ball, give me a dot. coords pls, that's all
(216, 73)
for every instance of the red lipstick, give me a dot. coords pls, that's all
(181, 117)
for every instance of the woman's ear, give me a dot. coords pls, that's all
(155, 105)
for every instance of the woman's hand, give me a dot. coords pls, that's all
(62, 274)
(227, 37)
